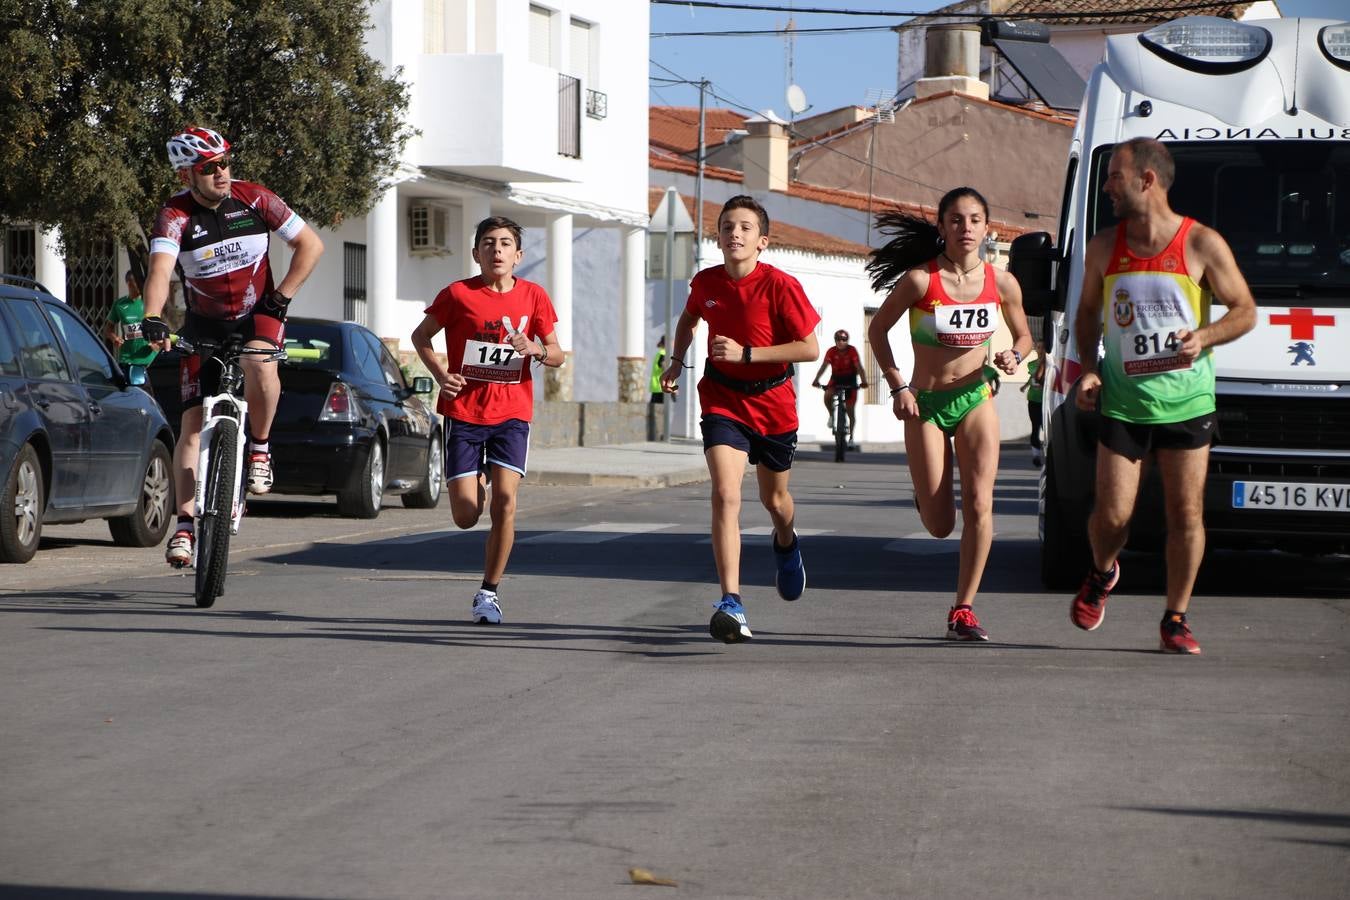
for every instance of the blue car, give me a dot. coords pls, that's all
(77, 440)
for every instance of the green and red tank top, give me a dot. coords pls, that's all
(1146, 301)
(939, 321)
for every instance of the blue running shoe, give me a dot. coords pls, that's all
(791, 577)
(728, 623)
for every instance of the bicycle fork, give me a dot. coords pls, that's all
(236, 410)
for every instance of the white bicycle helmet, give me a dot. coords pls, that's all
(194, 145)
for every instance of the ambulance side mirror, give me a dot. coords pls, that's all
(1031, 261)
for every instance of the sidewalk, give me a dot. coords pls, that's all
(650, 464)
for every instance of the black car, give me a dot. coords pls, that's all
(348, 423)
(77, 440)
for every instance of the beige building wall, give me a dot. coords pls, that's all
(1016, 160)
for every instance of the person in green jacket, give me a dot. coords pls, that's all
(658, 366)
(123, 328)
(1035, 391)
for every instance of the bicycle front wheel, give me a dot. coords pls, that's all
(840, 426)
(213, 530)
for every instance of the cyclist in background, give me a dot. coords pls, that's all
(215, 232)
(846, 371)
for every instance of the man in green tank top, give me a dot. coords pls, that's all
(123, 327)
(1148, 284)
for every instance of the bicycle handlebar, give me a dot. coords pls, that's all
(206, 347)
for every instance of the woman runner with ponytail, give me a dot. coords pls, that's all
(953, 298)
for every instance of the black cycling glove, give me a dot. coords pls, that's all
(274, 305)
(154, 329)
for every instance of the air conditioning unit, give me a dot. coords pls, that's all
(428, 228)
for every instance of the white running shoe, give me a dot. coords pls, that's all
(486, 610)
(179, 552)
(259, 473)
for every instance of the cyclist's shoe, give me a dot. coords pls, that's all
(1089, 605)
(963, 626)
(486, 609)
(179, 552)
(1176, 635)
(728, 624)
(791, 576)
(259, 473)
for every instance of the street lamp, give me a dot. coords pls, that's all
(670, 254)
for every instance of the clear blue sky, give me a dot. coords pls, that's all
(833, 70)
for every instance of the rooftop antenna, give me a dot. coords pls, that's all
(881, 101)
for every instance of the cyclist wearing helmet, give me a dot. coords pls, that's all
(846, 369)
(215, 232)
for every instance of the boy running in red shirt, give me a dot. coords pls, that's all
(759, 321)
(495, 324)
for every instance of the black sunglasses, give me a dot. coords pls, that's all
(211, 166)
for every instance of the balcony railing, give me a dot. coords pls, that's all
(597, 104)
(569, 116)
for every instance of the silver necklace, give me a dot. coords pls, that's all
(961, 273)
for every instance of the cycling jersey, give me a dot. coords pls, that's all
(223, 251)
(843, 363)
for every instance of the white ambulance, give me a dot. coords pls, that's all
(1257, 117)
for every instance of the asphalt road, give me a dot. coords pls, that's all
(336, 728)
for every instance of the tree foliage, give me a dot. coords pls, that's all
(90, 90)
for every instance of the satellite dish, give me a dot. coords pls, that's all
(796, 99)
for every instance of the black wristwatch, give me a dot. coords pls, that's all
(745, 354)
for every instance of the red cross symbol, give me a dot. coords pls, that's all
(1302, 323)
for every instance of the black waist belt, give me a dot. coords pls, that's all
(745, 387)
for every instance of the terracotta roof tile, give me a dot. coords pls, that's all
(781, 234)
(676, 127)
(816, 193)
(1120, 11)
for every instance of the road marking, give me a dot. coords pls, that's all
(598, 533)
(763, 531)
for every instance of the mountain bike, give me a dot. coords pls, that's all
(839, 421)
(218, 503)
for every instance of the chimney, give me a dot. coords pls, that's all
(951, 62)
(764, 153)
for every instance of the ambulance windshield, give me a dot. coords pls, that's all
(1283, 206)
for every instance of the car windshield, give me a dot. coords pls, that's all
(1283, 206)
(326, 339)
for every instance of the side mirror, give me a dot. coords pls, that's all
(423, 385)
(1030, 260)
(136, 375)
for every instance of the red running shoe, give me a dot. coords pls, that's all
(1089, 606)
(963, 626)
(1176, 636)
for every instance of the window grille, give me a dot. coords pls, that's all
(354, 283)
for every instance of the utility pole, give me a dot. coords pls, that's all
(698, 178)
(672, 197)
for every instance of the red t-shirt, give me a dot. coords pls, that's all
(843, 362)
(763, 309)
(478, 347)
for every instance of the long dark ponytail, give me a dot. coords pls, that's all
(914, 240)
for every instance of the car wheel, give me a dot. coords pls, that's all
(21, 508)
(428, 494)
(363, 500)
(147, 525)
